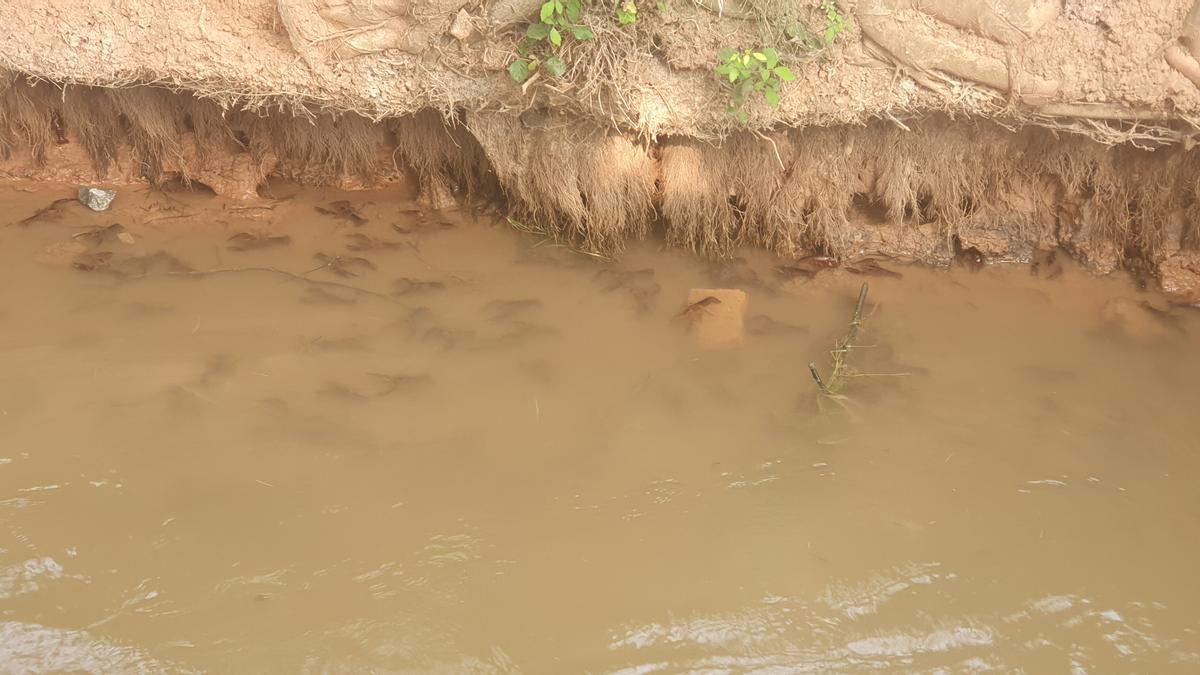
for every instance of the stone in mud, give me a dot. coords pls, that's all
(462, 29)
(1180, 277)
(913, 241)
(721, 325)
(505, 12)
(991, 243)
(96, 199)
(1088, 243)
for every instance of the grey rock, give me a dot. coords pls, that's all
(96, 199)
(507, 12)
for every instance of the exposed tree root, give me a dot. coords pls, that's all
(926, 53)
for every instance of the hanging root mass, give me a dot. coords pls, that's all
(923, 189)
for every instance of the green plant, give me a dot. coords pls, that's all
(835, 23)
(626, 12)
(749, 71)
(555, 19)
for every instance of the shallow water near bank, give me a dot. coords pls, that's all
(222, 452)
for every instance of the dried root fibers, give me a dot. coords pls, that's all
(924, 190)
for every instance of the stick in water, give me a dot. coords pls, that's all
(858, 310)
(841, 348)
(812, 368)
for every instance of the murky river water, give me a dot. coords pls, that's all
(471, 454)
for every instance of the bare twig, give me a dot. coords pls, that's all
(812, 368)
(841, 348)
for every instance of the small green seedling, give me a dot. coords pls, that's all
(555, 19)
(750, 70)
(626, 12)
(835, 23)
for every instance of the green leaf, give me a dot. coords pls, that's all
(733, 76)
(759, 86)
(554, 66)
(555, 37)
(772, 97)
(772, 57)
(765, 74)
(547, 10)
(574, 10)
(519, 70)
(783, 73)
(537, 31)
(759, 56)
(726, 54)
(742, 116)
(523, 47)
(558, 6)
(582, 32)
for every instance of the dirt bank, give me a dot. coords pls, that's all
(988, 129)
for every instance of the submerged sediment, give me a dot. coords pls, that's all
(396, 426)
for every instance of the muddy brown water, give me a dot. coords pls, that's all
(474, 454)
